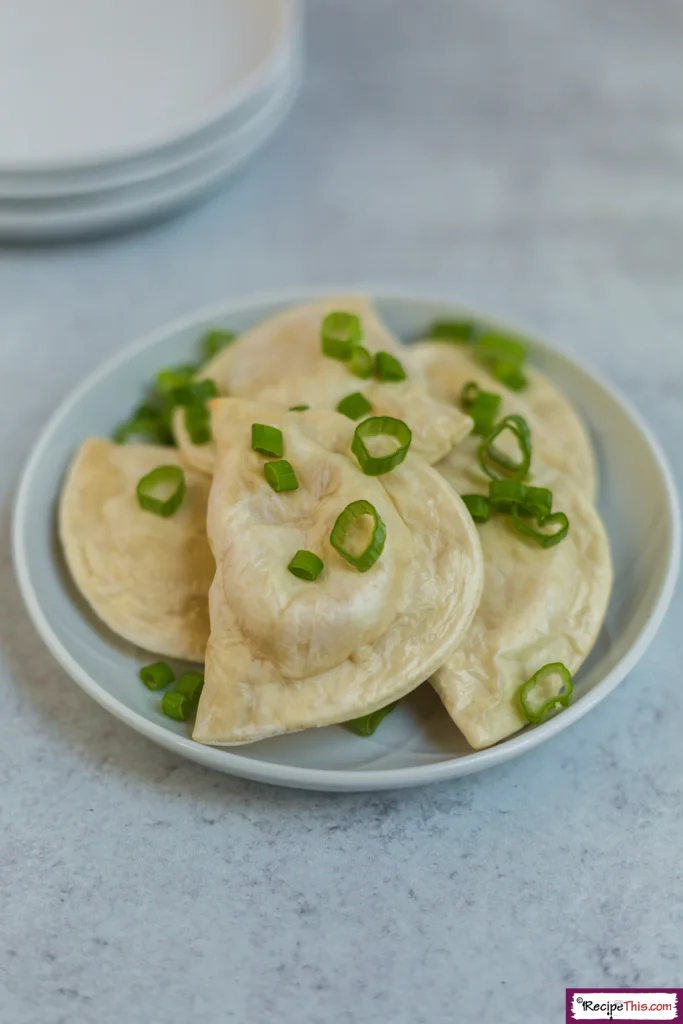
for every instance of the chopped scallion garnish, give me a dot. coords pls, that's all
(388, 368)
(367, 724)
(162, 491)
(214, 342)
(482, 406)
(354, 406)
(157, 676)
(306, 565)
(340, 531)
(299, 408)
(495, 462)
(361, 363)
(537, 713)
(169, 380)
(503, 356)
(376, 426)
(190, 685)
(281, 476)
(543, 539)
(478, 506)
(198, 422)
(461, 332)
(266, 440)
(510, 495)
(339, 334)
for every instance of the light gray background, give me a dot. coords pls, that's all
(527, 157)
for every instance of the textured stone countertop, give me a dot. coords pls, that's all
(527, 157)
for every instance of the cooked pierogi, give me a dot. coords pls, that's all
(560, 439)
(286, 654)
(281, 361)
(538, 606)
(145, 576)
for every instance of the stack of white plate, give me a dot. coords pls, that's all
(114, 112)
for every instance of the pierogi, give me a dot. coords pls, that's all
(539, 605)
(281, 361)
(145, 576)
(560, 439)
(286, 654)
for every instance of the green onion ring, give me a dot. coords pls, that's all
(460, 332)
(367, 724)
(478, 506)
(545, 540)
(482, 406)
(306, 565)
(511, 496)
(159, 477)
(361, 363)
(345, 520)
(376, 426)
(561, 701)
(490, 457)
(157, 676)
(339, 334)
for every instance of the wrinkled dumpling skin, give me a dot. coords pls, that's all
(560, 439)
(281, 361)
(286, 654)
(538, 606)
(147, 577)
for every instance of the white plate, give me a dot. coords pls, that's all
(149, 200)
(77, 183)
(417, 743)
(92, 81)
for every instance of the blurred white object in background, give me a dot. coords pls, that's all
(116, 111)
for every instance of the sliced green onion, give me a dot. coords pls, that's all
(545, 540)
(193, 393)
(367, 724)
(496, 463)
(375, 546)
(169, 380)
(266, 440)
(214, 342)
(361, 363)
(496, 347)
(510, 495)
(176, 705)
(354, 406)
(504, 357)
(190, 685)
(299, 408)
(169, 480)
(339, 334)
(281, 476)
(511, 376)
(482, 406)
(459, 331)
(377, 426)
(152, 428)
(388, 368)
(478, 506)
(157, 676)
(198, 422)
(306, 565)
(562, 700)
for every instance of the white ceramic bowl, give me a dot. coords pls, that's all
(418, 743)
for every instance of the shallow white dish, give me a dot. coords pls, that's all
(23, 190)
(418, 743)
(95, 81)
(163, 193)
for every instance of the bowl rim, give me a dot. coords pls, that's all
(228, 760)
